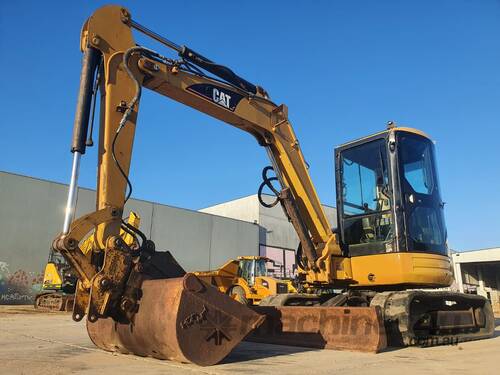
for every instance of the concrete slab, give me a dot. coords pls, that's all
(41, 343)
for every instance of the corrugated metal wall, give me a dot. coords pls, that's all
(31, 215)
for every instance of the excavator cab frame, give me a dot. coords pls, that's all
(388, 195)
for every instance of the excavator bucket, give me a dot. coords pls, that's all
(340, 328)
(181, 319)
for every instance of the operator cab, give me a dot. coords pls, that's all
(251, 267)
(388, 196)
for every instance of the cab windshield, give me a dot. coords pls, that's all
(248, 272)
(260, 267)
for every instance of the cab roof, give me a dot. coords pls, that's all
(395, 129)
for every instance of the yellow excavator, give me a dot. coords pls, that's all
(360, 284)
(247, 279)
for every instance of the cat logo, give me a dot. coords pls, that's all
(221, 98)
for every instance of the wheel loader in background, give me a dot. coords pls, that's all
(391, 238)
(247, 280)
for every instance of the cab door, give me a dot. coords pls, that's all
(364, 196)
(423, 208)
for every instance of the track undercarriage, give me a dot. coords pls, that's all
(434, 318)
(54, 301)
(412, 317)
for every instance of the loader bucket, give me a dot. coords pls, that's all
(340, 328)
(181, 319)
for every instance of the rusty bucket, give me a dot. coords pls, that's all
(180, 319)
(341, 328)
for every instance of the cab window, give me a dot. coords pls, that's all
(366, 201)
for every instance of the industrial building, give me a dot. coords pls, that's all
(277, 238)
(478, 272)
(32, 213)
(222, 232)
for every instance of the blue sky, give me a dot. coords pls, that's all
(344, 68)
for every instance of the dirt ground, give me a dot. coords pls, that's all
(51, 343)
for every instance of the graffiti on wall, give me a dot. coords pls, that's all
(18, 287)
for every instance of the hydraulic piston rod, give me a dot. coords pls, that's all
(69, 213)
(89, 65)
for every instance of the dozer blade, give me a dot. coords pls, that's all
(181, 319)
(341, 328)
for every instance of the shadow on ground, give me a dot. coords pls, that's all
(249, 351)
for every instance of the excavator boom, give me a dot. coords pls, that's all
(129, 293)
(123, 69)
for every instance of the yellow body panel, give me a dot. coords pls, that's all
(401, 268)
(133, 219)
(51, 277)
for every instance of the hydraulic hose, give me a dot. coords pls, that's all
(267, 181)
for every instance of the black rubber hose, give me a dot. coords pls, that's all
(298, 257)
(130, 107)
(220, 71)
(267, 181)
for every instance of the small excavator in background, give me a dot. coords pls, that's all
(247, 279)
(59, 284)
(360, 284)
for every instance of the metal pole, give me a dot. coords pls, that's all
(72, 193)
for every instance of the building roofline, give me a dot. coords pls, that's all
(473, 250)
(132, 198)
(248, 196)
(35, 178)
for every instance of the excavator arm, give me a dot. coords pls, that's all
(269, 124)
(123, 69)
(236, 102)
